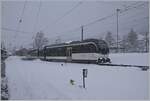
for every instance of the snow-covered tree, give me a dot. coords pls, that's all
(109, 39)
(132, 41)
(39, 41)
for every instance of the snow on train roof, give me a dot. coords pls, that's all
(96, 41)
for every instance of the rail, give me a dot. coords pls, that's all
(123, 65)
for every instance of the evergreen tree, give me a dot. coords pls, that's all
(132, 41)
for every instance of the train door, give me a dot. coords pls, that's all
(69, 53)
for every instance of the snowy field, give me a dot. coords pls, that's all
(51, 80)
(130, 58)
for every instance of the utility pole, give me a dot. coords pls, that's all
(81, 33)
(117, 28)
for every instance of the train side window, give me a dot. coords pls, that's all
(85, 49)
(76, 49)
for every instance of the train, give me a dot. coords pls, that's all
(86, 51)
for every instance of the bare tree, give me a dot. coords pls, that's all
(3, 45)
(39, 41)
(58, 40)
(109, 39)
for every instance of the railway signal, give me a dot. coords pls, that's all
(85, 71)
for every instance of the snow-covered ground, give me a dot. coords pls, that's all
(130, 58)
(51, 80)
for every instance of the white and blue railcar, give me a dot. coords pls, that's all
(88, 51)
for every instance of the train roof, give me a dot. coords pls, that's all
(96, 41)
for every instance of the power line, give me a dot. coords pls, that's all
(98, 20)
(37, 16)
(137, 21)
(93, 22)
(65, 14)
(132, 16)
(130, 8)
(20, 19)
(106, 17)
(111, 15)
(23, 11)
(14, 30)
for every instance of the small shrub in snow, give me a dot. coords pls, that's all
(72, 82)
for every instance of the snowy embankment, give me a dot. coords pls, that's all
(51, 80)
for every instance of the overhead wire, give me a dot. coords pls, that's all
(20, 20)
(14, 30)
(65, 14)
(135, 21)
(106, 17)
(124, 28)
(130, 8)
(111, 15)
(37, 17)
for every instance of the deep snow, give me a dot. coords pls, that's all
(51, 80)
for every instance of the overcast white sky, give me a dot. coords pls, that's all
(54, 24)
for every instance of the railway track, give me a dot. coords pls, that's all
(144, 68)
